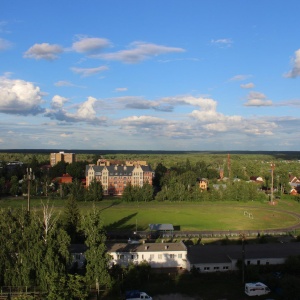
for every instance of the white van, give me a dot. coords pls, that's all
(256, 289)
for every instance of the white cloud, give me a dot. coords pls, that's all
(90, 45)
(249, 85)
(85, 72)
(239, 77)
(58, 101)
(257, 99)
(139, 52)
(43, 51)
(85, 112)
(4, 44)
(295, 72)
(19, 97)
(222, 42)
(121, 89)
(63, 83)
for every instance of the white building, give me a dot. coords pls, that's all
(158, 255)
(217, 258)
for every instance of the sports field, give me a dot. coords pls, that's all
(188, 216)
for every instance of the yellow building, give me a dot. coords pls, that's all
(62, 156)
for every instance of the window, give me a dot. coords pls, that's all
(151, 256)
(258, 262)
(134, 256)
(225, 268)
(179, 255)
(216, 268)
(172, 256)
(206, 268)
(159, 256)
(120, 256)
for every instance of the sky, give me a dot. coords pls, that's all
(173, 75)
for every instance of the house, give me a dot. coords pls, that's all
(114, 178)
(65, 178)
(158, 255)
(216, 258)
(256, 179)
(78, 258)
(203, 184)
(204, 258)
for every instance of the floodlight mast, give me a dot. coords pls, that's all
(272, 187)
(29, 177)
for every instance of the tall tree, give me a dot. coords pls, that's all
(96, 256)
(71, 218)
(94, 191)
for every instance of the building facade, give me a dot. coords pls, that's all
(114, 177)
(62, 156)
(158, 255)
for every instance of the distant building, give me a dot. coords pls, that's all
(62, 156)
(114, 178)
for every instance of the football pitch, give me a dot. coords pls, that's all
(188, 216)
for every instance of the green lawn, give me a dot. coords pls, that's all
(187, 215)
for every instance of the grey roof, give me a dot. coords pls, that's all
(217, 254)
(118, 170)
(146, 247)
(161, 227)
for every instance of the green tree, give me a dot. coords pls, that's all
(14, 185)
(94, 191)
(96, 256)
(76, 169)
(71, 218)
(76, 190)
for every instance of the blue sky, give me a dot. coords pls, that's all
(150, 75)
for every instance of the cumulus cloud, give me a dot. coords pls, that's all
(85, 72)
(135, 102)
(19, 97)
(43, 51)
(205, 103)
(249, 85)
(58, 101)
(139, 51)
(222, 42)
(90, 45)
(85, 112)
(4, 44)
(257, 99)
(295, 72)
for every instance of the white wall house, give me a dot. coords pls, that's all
(222, 258)
(158, 255)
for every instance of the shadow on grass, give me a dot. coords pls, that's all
(121, 224)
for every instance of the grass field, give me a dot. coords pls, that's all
(188, 216)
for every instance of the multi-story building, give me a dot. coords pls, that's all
(62, 156)
(114, 177)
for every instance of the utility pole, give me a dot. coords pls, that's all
(29, 177)
(272, 184)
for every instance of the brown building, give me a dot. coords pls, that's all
(62, 156)
(114, 178)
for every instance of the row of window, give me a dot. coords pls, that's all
(152, 256)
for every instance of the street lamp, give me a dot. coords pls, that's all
(29, 177)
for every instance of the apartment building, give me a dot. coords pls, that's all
(115, 177)
(62, 156)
